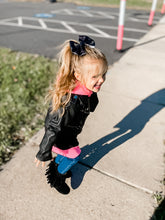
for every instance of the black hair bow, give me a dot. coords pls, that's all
(79, 48)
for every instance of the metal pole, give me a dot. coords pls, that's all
(121, 25)
(152, 12)
(163, 7)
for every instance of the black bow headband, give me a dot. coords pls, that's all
(79, 48)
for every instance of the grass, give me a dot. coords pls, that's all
(24, 79)
(135, 4)
(159, 213)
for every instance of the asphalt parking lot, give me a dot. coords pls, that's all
(40, 27)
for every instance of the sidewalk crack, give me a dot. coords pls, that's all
(119, 179)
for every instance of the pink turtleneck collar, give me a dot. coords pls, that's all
(81, 90)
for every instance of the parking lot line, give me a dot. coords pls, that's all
(67, 27)
(125, 29)
(42, 23)
(87, 14)
(20, 21)
(69, 12)
(139, 20)
(98, 30)
(103, 14)
(106, 15)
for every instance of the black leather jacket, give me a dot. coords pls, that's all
(62, 131)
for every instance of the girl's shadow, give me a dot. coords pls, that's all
(128, 127)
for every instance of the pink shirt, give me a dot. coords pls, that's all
(74, 151)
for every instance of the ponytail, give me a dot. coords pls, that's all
(65, 79)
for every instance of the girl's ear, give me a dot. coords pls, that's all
(77, 76)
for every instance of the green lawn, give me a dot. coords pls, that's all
(24, 80)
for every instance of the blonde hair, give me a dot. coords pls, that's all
(65, 80)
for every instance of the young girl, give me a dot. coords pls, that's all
(73, 96)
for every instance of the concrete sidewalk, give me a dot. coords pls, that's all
(122, 140)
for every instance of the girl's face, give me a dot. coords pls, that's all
(92, 75)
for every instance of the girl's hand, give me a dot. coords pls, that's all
(38, 162)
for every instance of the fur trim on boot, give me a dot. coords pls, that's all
(55, 179)
(51, 173)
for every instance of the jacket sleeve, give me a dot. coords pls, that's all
(52, 128)
(93, 102)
